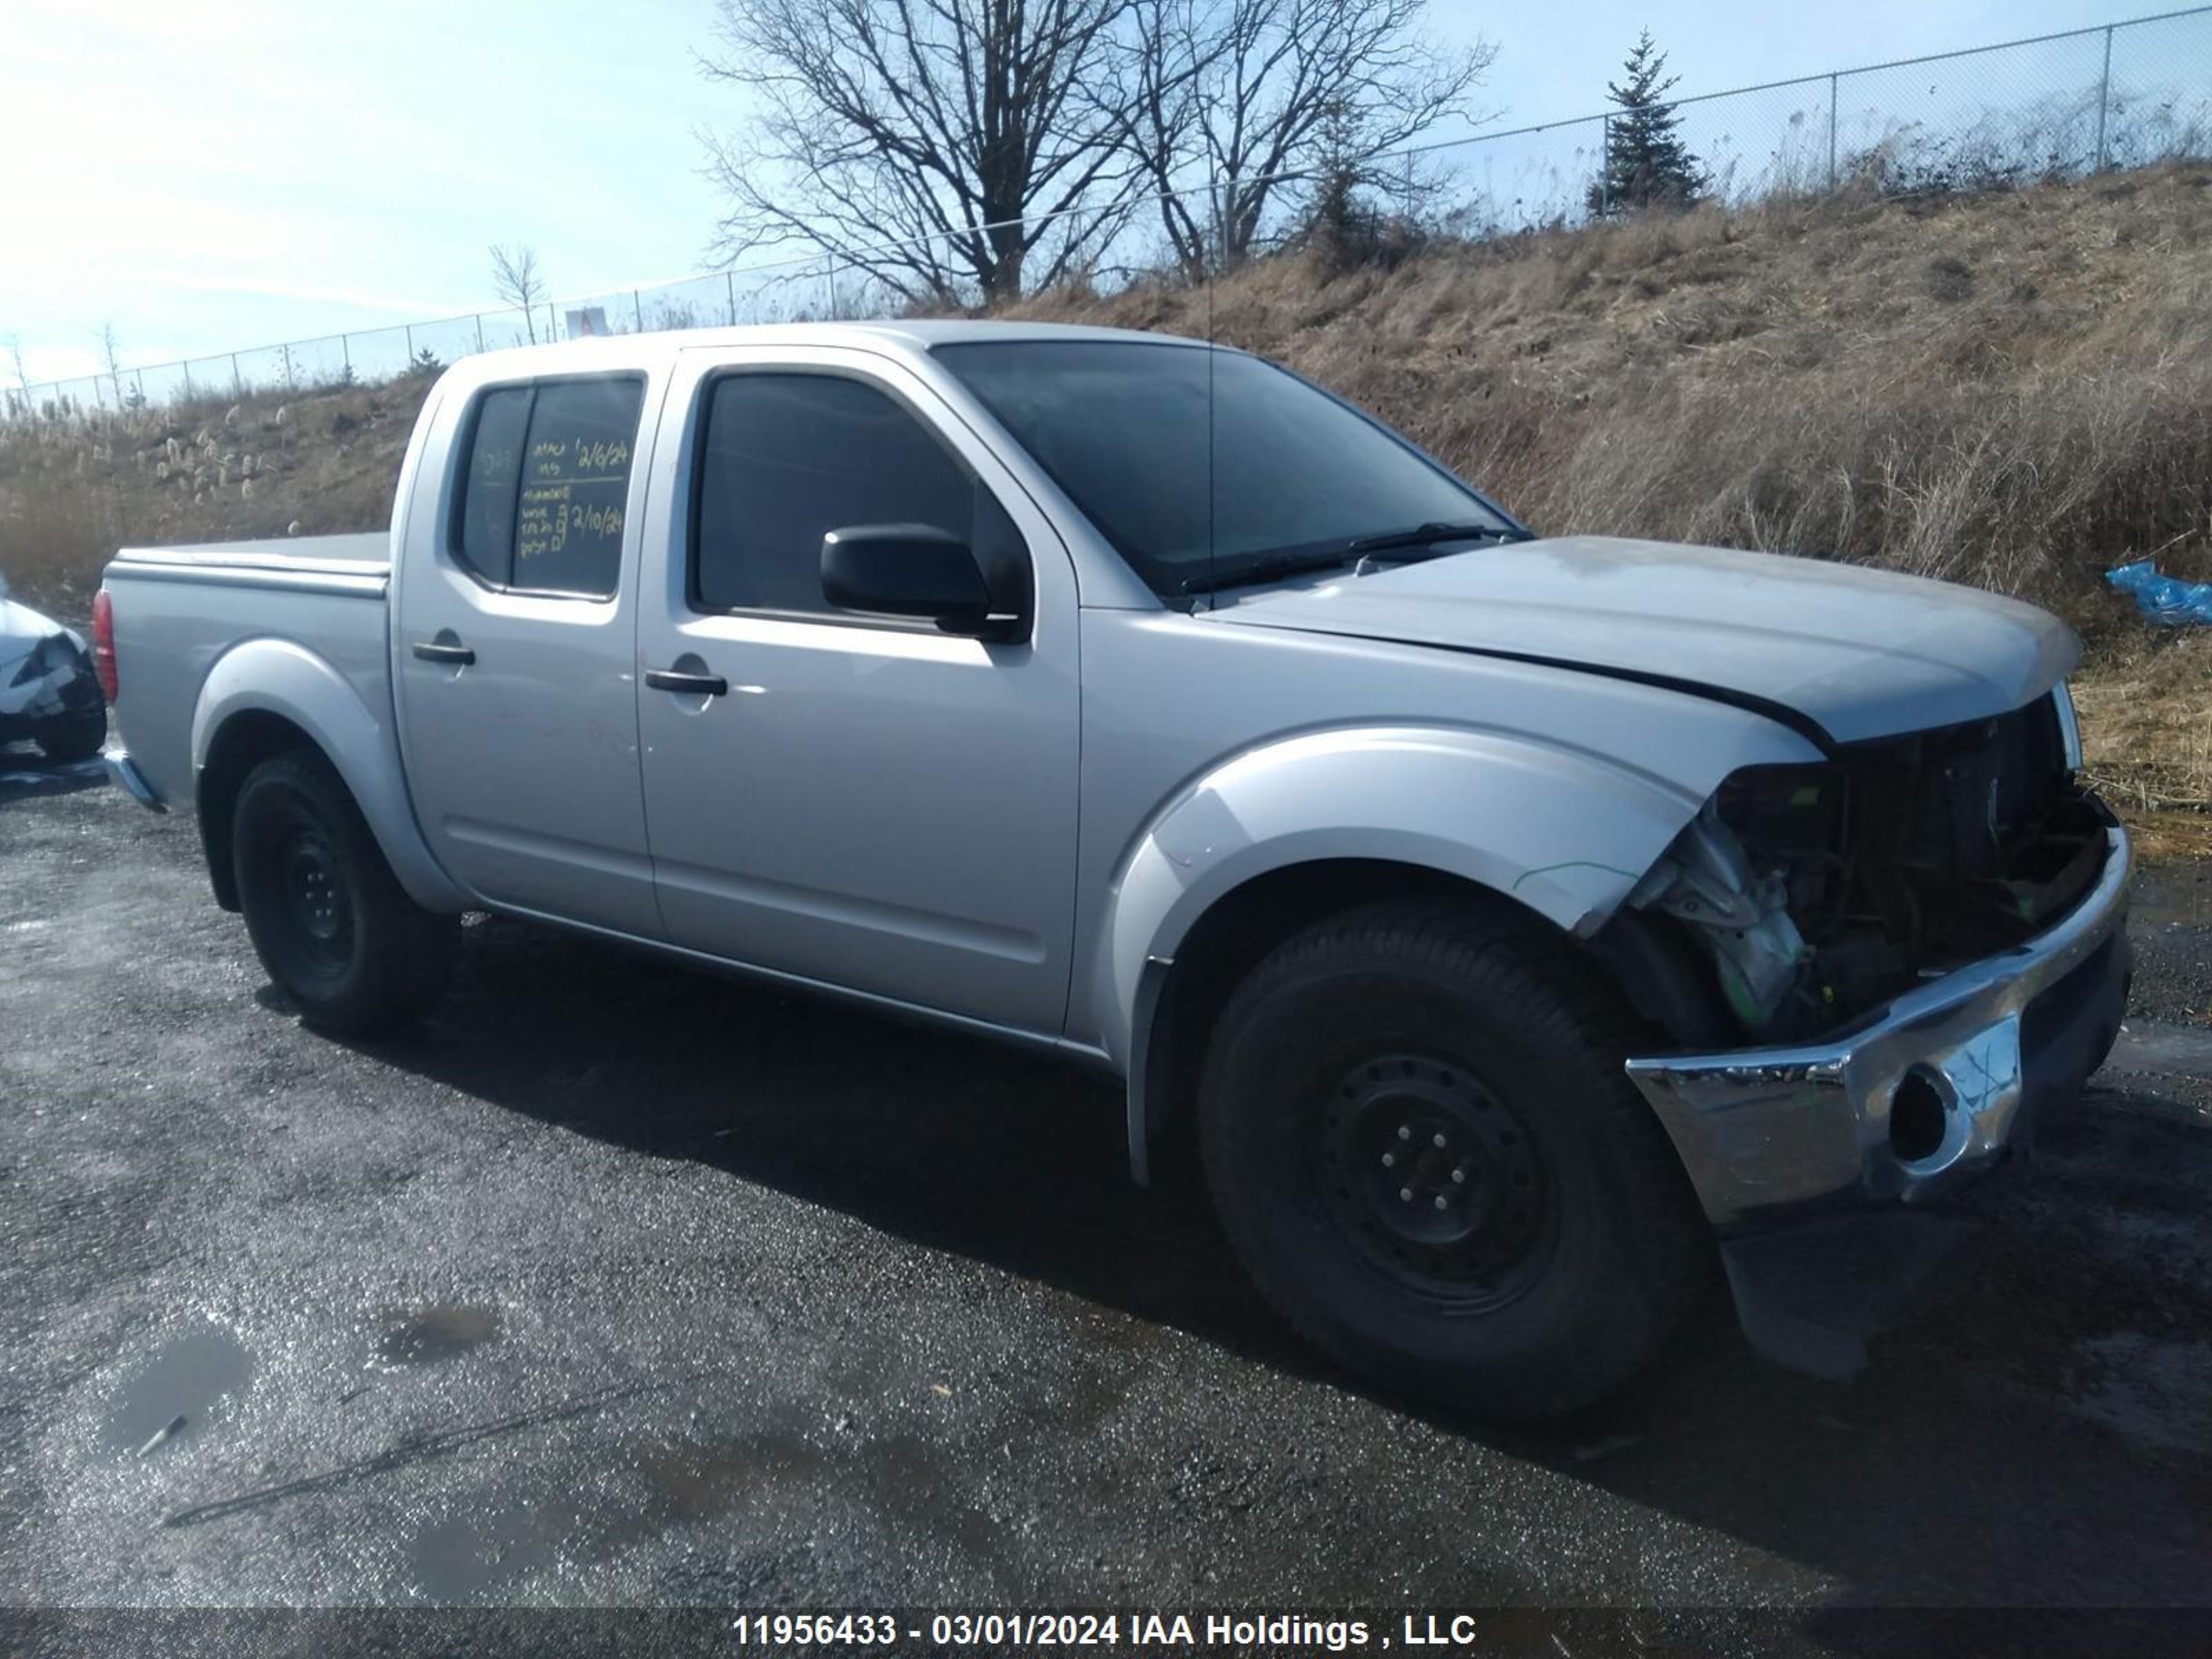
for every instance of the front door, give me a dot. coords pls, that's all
(866, 802)
(515, 648)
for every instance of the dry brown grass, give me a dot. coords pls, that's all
(2146, 705)
(71, 493)
(2010, 390)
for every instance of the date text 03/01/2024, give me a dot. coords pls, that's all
(1418, 1631)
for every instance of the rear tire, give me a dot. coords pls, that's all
(68, 739)
(332, 924)
(1422, 1146)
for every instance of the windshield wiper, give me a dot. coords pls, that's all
(1269, 569)
(1265, 570)
(1426, 535)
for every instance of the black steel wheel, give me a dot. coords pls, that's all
(330, 921)
(319, 901)
(1418, 1134)
(1435, 1180)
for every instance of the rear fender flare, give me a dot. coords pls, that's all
(280, 678)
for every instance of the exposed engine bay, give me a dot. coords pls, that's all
(1816, 892)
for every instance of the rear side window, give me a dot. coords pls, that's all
(543, 501)
(487, 538)
(786, 459)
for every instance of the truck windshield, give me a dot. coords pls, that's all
(1275, 477)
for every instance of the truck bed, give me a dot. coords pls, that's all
(352, 558)
(178, 610)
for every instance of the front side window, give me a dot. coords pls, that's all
(1198, 463)
(787, 458)
(546, 492)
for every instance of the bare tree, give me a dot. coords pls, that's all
(517, 280)
(934, 144)
(19, 400)
(1234, 104)
(111, 352)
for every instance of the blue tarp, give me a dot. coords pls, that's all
(2166, 600)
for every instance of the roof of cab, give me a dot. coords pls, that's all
(921, 334)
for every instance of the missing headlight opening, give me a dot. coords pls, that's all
(1820, 892)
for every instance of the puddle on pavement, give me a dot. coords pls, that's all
(428, 1335)
(458, 1558)
(190, 1371)
(912, 1482)
(693, 1480)
(461, 1557)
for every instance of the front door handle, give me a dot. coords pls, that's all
(671, 679)
(449, 650)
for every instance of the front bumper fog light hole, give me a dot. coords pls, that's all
(1916, 1118)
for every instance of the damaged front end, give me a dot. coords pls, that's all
(1818, 892)
(1879, 969)
(49, 691)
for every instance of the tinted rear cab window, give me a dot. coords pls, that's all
(545, 498)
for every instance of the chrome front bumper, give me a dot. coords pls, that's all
(1771, 1130)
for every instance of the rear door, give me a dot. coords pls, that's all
(515, 640)
(868, 802)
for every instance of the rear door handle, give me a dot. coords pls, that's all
(670, 679)
(440, 651)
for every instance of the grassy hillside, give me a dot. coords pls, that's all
(72, 492)
(2012, 390)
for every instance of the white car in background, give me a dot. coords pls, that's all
(49, 691)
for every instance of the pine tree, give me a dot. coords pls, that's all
(1646, 163)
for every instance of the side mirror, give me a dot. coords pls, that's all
(911, 570)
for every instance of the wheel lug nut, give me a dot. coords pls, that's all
(1404, 1133)
(1438, 1140)
(1405, 1194)
(1440, 1201)
(1459, 1175)
(1389, 1159)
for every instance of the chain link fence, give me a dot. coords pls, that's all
(2125, 94)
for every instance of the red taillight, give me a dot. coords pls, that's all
(103, 642)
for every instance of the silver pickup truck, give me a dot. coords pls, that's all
(1513, 930)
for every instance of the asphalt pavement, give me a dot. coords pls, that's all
(618, 1284)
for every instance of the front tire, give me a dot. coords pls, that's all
(332, 924)
(1418, 1134)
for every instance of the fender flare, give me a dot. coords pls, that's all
(279, 676)
(1562, 831)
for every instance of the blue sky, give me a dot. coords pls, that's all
(211, 174)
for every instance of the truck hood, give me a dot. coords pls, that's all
(1858, 653)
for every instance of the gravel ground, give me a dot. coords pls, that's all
(620, 1286)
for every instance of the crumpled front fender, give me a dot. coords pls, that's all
(1563, 831)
